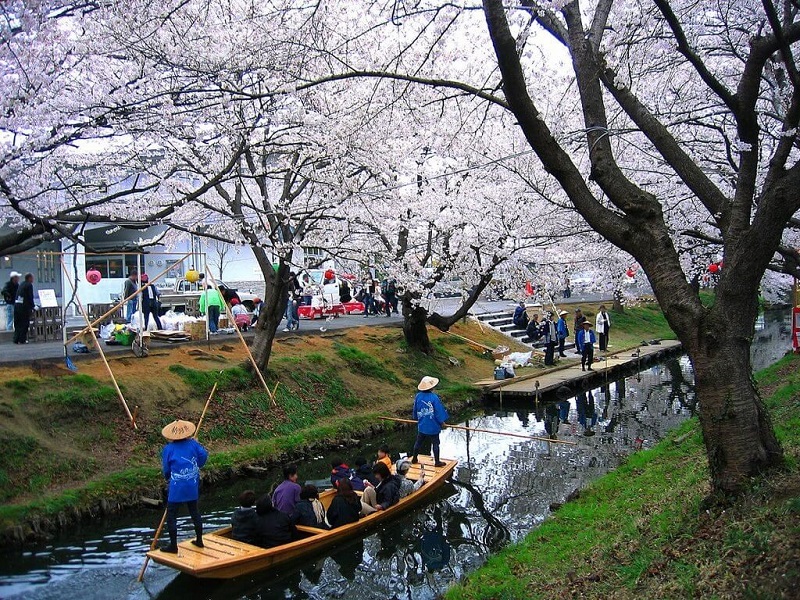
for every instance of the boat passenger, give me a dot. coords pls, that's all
(345, 507)
(407, 486)
(244, 523)
(383, 495)
(309, 511)
(181, 461)
(363, 473)
(274, 528)
(287, 494)
(383, 456)
(339, 471)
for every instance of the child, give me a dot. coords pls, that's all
(383, 456)
(181, 462)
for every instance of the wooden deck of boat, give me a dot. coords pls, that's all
(525, 384)
(224, 558)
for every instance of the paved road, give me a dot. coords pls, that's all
(15, 354)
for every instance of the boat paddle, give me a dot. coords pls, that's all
(160, 527)
(492, 431)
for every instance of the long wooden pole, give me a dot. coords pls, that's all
(160, 527)
(493, 431)
(122, 302)
(241, 338)
(97, 343)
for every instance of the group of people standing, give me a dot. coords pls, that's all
(554, 333)
(20, 305)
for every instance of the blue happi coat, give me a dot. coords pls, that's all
(181, 462)
(429, 413)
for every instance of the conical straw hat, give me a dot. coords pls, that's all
(178, 430)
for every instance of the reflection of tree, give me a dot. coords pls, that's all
(496, 534)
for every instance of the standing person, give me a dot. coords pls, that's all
(562, 331)
(181, 461)
(131, 286)
(567, 289)
(550, 339)
(369, 297)
(579, 319)
(602, 326)
(293, 304)
(391, 294)
(150, 303)
(287, 494)
(430, 414)
(211, 303)
(24, 306)
(586, 342)
(10, 297)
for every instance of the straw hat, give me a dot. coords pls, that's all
(589, 323)
(427, 383)
(561, 313)
(178, 430)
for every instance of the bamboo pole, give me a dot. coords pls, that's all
(97, 343)
(476, 430)
(241, 339)
(122, 302)
(160, 527)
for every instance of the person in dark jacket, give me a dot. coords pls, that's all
(339, 471)
(130, 287)
(520, 318)
(345, 507)
(309, 511)
(181, 461)
(244, 523)
(533, 331)
(273, 527)
(363, 472)
(150, 302)
(24, 306)
(383, 495)
(10, 296)
(578, 326)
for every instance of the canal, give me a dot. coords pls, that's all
(502, 488)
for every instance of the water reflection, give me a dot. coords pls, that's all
(502, 488)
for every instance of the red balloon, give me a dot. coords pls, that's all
(630, 273)
(713, 268)
(93, 276)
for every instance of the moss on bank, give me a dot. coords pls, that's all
(638, 531)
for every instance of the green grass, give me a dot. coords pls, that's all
(234, 378)
(638, 532)
(365, 364)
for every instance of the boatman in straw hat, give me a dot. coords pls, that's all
(181, 462)
(430, 414)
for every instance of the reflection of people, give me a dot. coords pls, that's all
(587, 415)
(603, 325)
(433, 547)
(244, 522)
(348, 558)
(345, 507)
(551, 420)
(430, 415)
(287, 494)
(181, 461)
(24, 306)
(586, 341)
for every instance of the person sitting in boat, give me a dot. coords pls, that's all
(274, 527)
(383, 456)
(340, 470)
(363, 472)
(345, 507)
(383, 495)
(407, 486)
(309, 511)
(181, 461)
(244, 523)
(287, 494)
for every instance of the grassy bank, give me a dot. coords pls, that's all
(66, 448)
(638, 531)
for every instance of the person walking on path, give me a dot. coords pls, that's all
(430, 414)
(128, 288)
(150, 303)
(562, 331)
(211, 304)
(181, 461)
(578, 326)
(602, 326)
(586, 341)
(10, 297)
(24, 305)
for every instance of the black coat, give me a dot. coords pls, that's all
(387, 491)
(244, 525)
(274, 528)
(341, 512)
(365, 472)
(25, 292)
(304, 514)
(10, 292)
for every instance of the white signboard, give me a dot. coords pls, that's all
(47, 299)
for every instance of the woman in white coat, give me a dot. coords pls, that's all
(602, 325)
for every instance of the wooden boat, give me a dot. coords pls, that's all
(225, 558)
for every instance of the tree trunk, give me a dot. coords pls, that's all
(269, 319)
(415, 326)
(737, 430)
(618, 307)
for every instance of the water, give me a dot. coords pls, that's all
(502, 488)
